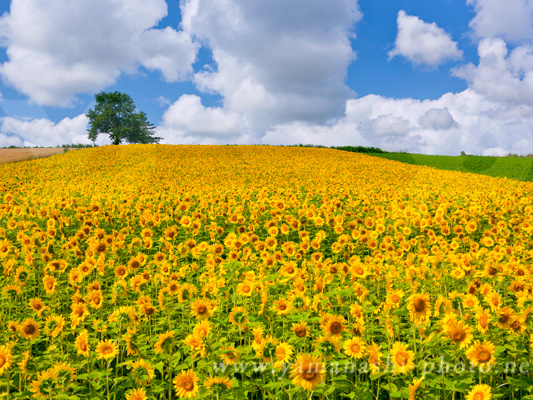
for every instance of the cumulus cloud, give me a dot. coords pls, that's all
(501, 76)
(437, 119)
(423, 43)
(187, 119)
(43, 132)
(511, 20)
(276, 62)
(59, 48)
(464, 121)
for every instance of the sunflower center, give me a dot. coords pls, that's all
(395, 298)
(503, 319)
(401, 358)
(335, 327)
(478, 396)
(420, 305)
(107, 350)
(483, 356)
(360, 271)
(150, 311)
(282, 307)
(300, 332)
(188, 385)
(2, 360)
(309, 375)
(355, 348)
(83, 346)
(201, 310)
(459, 335)
(29, 329)
(246, 289)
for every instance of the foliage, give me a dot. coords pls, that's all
(114, 114)
(254, 272)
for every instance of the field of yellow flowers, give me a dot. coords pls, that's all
(253, 272)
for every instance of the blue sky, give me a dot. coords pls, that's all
(436, 77)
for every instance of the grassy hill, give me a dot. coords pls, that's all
(519, 168)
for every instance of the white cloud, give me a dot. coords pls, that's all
(187, 120)
(276, 62)
(43, 132)
(511, 20)
(501, 76)
(437, 119)
(423, 43)
(464, 121)
(59, 48)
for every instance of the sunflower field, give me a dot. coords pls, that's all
(254, 272)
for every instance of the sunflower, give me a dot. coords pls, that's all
(374, 357)
(164, 342)
(217, 382)
(481, 353)
(44, 385)
(333, 325)
(459, 333)
(327, 345)
(394, 297)
(354, 347)
(308, 371)
(196, 345)
(470, 301)
(136, 394)
(13, 327)
(414, 387)
(142, 371)
(283, 354)
(65, 373)
(23, 364)
(282, 306)
(82, 343)
(106, 350)
(78, 314)
(419, 307)
(480, 392)
(49, 283)
(201, 308)
(38, 306)
(54, 325)
(121, 272)
(202, 329)
(229, 354)
(5, 358)
(483, 319)
(245, 288)
(505, 317)
(494, 301)
(95, 299)
(186, 384)
(30, 329)
(239, 317)
(402, 358)
(258, 337)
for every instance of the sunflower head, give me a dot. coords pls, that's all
(186, 384)
(308, 371)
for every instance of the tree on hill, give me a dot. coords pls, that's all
(114, 114)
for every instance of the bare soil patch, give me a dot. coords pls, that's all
(14, 155)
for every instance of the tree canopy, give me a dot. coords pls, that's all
(115, 115)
